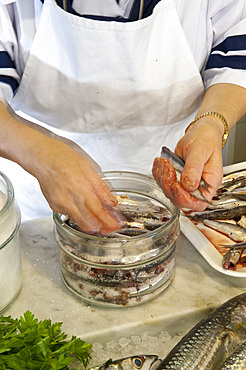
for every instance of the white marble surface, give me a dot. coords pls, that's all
(197, 288)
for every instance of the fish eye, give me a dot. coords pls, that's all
(137, 362)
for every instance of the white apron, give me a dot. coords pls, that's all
(120, 90)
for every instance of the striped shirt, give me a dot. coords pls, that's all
(215, 31)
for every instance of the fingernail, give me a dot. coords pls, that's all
(165, 170)
(189, 181)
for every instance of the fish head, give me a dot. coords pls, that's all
(141, 362)
(238, 321)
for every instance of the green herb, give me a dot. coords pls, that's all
(27, 343)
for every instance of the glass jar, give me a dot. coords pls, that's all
(123, 269)
(10, 254)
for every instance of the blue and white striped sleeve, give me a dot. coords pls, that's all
(227, 60)
(9, 78)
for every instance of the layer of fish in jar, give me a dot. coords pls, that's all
(140, 217)
(227, 215)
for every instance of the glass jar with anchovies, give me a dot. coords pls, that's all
(128, 267)
(10, 253)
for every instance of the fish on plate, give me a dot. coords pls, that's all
(227, 201)
(219, 214)
(141, 362)
(232, 181)
(239, 193)
(232, 258)
(209, 343)
(178, 165)
(234, 231)
(242, 221)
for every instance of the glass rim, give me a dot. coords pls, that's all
(9, 194)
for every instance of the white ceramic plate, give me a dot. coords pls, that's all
(202, 243)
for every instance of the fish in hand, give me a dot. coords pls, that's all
(209, 343)
(178, 165)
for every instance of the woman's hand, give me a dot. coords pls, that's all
(201, 149)
(72, 187)
(68, 177)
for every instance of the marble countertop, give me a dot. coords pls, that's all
(196, 290)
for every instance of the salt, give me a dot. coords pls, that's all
(143, 344)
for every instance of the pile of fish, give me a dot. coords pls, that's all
(227, 215)
(217, 342)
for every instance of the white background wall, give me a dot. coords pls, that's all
(235, 149)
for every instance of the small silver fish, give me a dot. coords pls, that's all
(232, 180)
(235, 232)
(231, 258)
(237, 360)
(226, 201)
(239, 193)
(141, 362)
(178, 165)
(207, 345)
(219, 214)
(242, 221)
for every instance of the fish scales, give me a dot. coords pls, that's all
(201, 347)
(237, 360)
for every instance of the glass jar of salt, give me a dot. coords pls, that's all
(10, 255)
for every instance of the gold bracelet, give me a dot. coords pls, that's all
(223, 120)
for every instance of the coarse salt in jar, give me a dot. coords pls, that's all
(131, 266)
(10, 254)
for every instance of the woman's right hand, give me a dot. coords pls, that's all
(68, 177)
(72, 187)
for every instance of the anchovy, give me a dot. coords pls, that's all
(178, 165)
(231, 258)
(131, 232)
(242, 222)
(239, 193)
(226, 201)
(212, 340)
(237, 360)
(219, 214)
(232, 180)
(235, 232)
(142, 362)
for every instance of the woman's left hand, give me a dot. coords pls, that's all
(201, 149)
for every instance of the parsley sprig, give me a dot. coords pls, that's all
(29, 344)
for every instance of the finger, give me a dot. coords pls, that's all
(92, 206)
(167, 176)
(102, 188)
(159, 168)
(183, 199)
